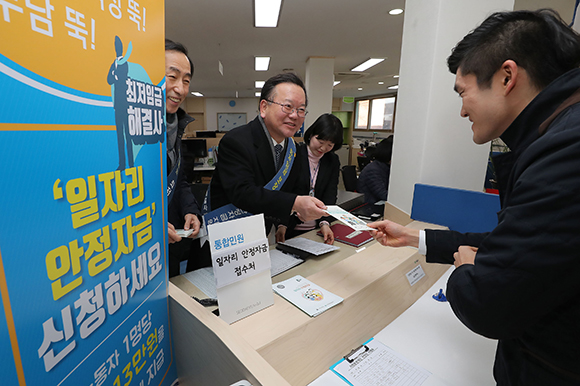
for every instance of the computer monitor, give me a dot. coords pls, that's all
(205, 134)
(197, 147)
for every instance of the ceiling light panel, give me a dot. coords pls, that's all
(368, 64)
(261, 63)
(267, 13)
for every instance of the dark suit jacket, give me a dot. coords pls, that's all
(245, 164)
(183, 200)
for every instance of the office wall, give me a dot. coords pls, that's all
(433, 144)
(213, 106)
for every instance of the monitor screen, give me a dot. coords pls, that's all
(196, 147)
(205, 134)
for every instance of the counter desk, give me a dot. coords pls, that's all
(281, 345)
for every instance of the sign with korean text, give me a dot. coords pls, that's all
(241, 266)
(240, 260)
(82, 215)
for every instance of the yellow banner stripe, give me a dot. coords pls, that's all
(10, 324)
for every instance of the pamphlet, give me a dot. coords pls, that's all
(347, 218)
(307, 296)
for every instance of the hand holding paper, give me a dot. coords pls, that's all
(308, 208)
(347, 218)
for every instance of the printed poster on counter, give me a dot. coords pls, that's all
(83, 278)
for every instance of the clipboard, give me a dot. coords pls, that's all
(373, 360)
(350, 358)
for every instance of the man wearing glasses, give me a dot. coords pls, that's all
(253, 157)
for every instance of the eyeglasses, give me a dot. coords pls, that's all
(288, 109)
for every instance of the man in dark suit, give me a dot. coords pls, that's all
(183, 211)
(518, 77)
(251, 155)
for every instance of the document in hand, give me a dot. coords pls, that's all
(347, 218)
(349, 236)
(306, 295)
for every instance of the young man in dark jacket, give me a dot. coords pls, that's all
(518, 77)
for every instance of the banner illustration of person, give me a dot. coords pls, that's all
(138, 105)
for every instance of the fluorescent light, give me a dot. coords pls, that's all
(395, 76)
(396, 11)
(393, 87)
(196, 93)
(335, 83)
(261, 63)
(266, 13)
(381, 82)
(360, 89)
(258, 94)
(368, 64)
(260, 83)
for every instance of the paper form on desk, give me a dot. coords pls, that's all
(313, 247)
(374, 364)
(203, 279)
(282, 262)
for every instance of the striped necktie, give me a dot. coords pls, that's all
(278, 150)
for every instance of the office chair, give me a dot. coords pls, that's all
(349, 177)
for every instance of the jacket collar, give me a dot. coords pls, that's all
(183, 119)
(525, 128)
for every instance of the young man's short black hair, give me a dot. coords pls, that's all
(288, 77)
(538, 41)
(170, 45)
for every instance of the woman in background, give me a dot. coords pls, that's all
(318, 167)
(373, 180)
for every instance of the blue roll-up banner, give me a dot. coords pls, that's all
(83, 276)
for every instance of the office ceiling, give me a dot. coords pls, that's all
(350, 31)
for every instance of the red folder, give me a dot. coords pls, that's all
(349, 236)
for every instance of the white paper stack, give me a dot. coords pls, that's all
(306, 295)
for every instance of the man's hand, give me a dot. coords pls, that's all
(327, 233)
(464, 255)
(308, 208)
(192, 222)
(173, 236)
(391, 234)
(281, 234)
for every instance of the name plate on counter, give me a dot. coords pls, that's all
(241, 265)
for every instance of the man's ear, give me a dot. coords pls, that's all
(263, 105)
(509, 73)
